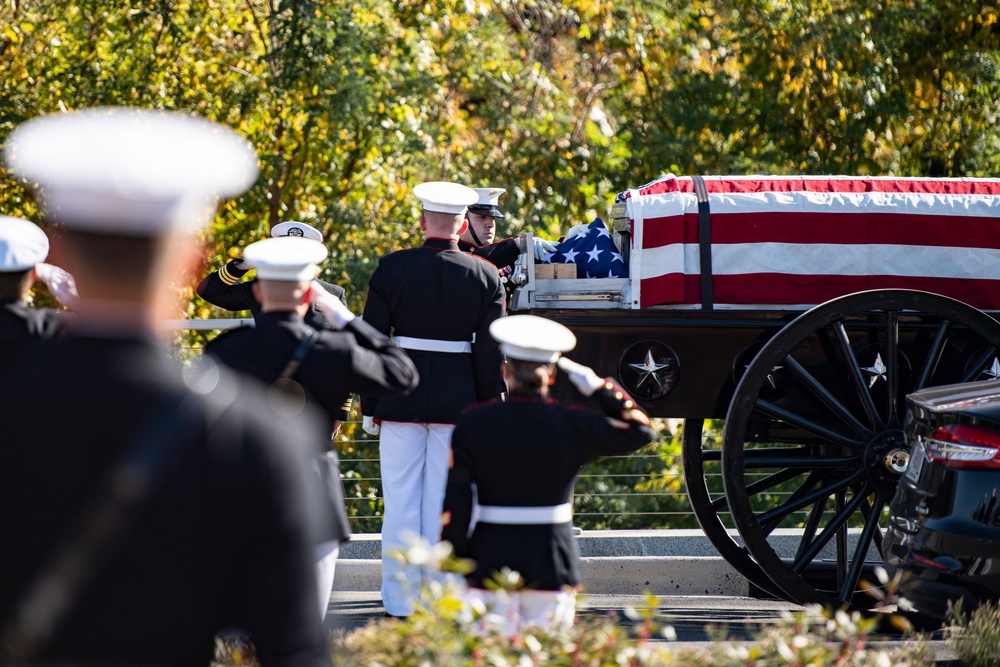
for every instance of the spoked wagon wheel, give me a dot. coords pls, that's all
(703, 479)
(813, 437)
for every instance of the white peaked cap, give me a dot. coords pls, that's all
(22, 244)
(532, 338)
(295, 228)
(443, 197)
(287, 258)
(123, 170)
(489, 196)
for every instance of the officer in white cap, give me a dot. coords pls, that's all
(479, 237)
(522, 456)
(439, 302)
(214, 528)
(23, 249)
(224, 288)
(318, 365)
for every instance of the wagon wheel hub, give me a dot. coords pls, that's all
(886, 458)
(897, 461)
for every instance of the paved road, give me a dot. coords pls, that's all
(692, 616)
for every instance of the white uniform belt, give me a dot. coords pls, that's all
(431, 345)
(526, 515)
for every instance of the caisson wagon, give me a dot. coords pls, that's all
(801, 311)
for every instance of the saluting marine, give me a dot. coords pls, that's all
(439, 303)
(23, 249)
(161, 507)
(522, 456)
(319, 365)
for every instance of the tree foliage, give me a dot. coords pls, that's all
(563, 102)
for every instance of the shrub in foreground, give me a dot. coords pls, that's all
(444, 632)
(812, 637)
(975, 638)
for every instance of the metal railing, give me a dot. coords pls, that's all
(605, 497)
(609, 493)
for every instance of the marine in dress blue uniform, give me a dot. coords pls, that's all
(321, 365)
(216, 521)
(438, 303)
(23, 249)
(523, 456)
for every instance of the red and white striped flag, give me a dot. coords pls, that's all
(800, 240)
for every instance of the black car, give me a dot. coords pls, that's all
(944, 521)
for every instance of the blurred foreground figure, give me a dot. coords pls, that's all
(523, 456)
(144, 510)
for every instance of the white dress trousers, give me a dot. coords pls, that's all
(326, 568)
(513, 612)
(414, 459)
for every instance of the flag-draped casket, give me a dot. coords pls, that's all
(800, 240)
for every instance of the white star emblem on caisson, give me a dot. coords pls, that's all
(876, 371)
(648, 368)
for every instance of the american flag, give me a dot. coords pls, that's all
(594, 253)
(801, 240)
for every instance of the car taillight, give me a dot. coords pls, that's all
(963, 446)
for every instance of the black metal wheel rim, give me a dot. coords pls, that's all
(819, 459)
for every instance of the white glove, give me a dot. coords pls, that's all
(331, 306)
(583, 377)
(60, 282)
(369, 426)
(543, 248)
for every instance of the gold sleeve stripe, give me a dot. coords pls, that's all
(227, 277)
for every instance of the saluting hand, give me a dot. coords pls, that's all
(583, 377)
(331, 306)
(60, 282)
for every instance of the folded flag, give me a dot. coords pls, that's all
(594, 253)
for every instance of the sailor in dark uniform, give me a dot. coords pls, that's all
(439, 303)
(226, 289)
(523, 456)
(479, 237)
(163, 507)
(23, 249)
(320, 365)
